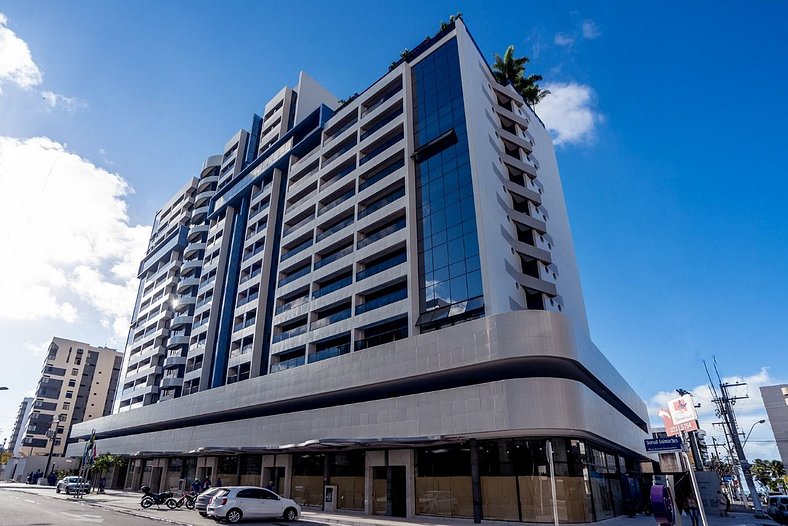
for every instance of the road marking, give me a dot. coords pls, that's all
(84, 518)
(30, 501)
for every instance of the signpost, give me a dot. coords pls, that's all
(682, 417)
(663, 444)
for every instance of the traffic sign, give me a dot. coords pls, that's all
(663, 444)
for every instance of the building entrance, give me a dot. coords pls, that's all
(389, 491)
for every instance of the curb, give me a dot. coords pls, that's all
(122, 511)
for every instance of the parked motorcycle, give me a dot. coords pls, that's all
(150, 498)
(187, 499)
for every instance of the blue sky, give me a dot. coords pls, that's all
(669, 120)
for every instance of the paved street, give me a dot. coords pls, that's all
(17, 509)
(21, 504)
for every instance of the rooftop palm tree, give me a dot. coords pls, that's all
(509, 68)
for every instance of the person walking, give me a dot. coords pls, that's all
(694, 512)
(196, 486)
(723, 503)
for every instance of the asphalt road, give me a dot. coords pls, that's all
(24, 509)
(40, 506)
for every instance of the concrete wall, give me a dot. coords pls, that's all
(533, 405)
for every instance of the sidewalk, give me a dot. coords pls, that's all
(129, 503)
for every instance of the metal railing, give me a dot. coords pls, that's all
(386, 299)
(381, 266)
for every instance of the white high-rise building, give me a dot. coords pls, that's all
(379, 294)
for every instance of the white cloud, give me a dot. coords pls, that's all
(569, 112)
(748, 411)
(70, 104)
(16, 62)
(564, 40)
(65, 226)
(590, 30)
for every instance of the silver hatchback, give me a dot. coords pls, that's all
(234, 503)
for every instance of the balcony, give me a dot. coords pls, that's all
(333, 178)
(331, 318)
(379, 102)
(240, 326)
(191, 264)
(330, 352)
(381, 266)
(186, 283)
(248, 299)
(292, 228)
(381, 301)
(294, 276)
(292, 304)
(193, 248)
(334, 229)
(380, 339)
(328, 289)
(336, 202)
(377, 150)
(380, 234)
(297, 249)
(292, 333)
(287, 364)
(246, 349)
(380, 203)
(381, 123)
(382, 174)
(178, 340)
(333, 257)
(174, 361)
(170, 382)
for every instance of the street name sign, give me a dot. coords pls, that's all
(663, 444)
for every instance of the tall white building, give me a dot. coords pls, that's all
(15, 442)
(379, 294)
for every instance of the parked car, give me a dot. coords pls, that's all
(203, 499)
(233, 503)
(72, 484)
(777, 508)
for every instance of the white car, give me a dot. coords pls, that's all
(71, 485)
(234, 503)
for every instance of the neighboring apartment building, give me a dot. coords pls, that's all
(156, 320)
(15, 443)
(775, 399)
(381, 295)
(77, 384)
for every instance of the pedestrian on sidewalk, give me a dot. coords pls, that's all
(724, 503)
(219, 482)
(694, 512)
(196, 487)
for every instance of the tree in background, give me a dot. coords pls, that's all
(770, 473)
(511, 69)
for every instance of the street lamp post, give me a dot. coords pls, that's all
(750, 431)
(52, 435)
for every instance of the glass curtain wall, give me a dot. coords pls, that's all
(250, 469)
(448, 246)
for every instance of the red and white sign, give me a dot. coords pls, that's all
(672, 429)
(682, 409)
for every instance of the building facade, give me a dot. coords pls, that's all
(77, 384)
(15, 442)
(381, 294)
(775, 399)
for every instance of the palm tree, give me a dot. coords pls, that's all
(511, 69)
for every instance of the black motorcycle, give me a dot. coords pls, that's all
(187, 499)
(151, 498)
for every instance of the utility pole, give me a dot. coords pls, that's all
(725, 405)
(730, 418)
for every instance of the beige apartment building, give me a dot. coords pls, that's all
(77, 383)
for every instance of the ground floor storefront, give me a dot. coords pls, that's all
(503, 479)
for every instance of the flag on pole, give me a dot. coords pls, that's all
(90, 449)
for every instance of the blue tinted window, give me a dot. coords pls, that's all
(448, 244)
